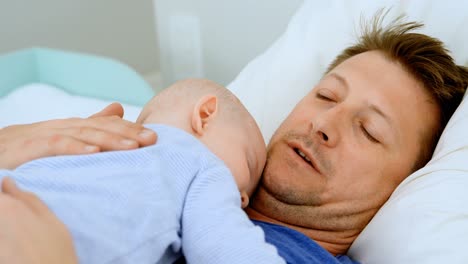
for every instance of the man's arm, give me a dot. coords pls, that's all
(105, 130)
(30, 233)
(214, 227)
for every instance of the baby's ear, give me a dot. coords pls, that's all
(203, 113)
(244, 199)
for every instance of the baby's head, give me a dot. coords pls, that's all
(216, 117)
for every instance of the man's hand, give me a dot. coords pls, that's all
(29, 232)
(105, 130)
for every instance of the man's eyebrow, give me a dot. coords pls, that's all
(381, 113)
(372, 107)
(340, 78)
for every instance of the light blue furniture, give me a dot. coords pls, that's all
(76, 73)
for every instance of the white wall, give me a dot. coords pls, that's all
(121, 29)
(231, 34)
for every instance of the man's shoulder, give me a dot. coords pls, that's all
(295, 247)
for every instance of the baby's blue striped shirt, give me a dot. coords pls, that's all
(149, 205)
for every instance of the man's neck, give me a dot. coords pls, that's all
(335, 242)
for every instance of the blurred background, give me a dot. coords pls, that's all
(163, 40)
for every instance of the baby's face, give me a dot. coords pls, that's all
(243, 150)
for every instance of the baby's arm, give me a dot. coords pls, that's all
(214, 227)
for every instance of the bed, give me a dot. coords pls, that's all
(40, 83)
(426, 218)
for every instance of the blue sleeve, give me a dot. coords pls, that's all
(115, 213)
(214, 227)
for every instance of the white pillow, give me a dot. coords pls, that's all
(426, 219)
(37, 102)
(272, 84)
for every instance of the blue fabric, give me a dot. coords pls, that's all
(150, 204)
(296, 248)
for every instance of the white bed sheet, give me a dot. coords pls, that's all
(38, 102)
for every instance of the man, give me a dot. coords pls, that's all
(374, 118)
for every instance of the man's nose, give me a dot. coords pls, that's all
(323, 136)
(326, 127)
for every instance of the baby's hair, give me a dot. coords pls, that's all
(186, 91)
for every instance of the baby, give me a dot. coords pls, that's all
(215, 116)
(183, 194)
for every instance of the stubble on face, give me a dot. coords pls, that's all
(285, 188)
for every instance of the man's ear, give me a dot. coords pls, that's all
(204, 111)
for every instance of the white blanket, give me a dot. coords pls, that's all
(37, 102)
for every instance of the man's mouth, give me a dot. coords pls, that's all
(307, 158)
(308, 155)
(304, 157)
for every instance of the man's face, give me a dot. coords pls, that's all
(346, 145)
